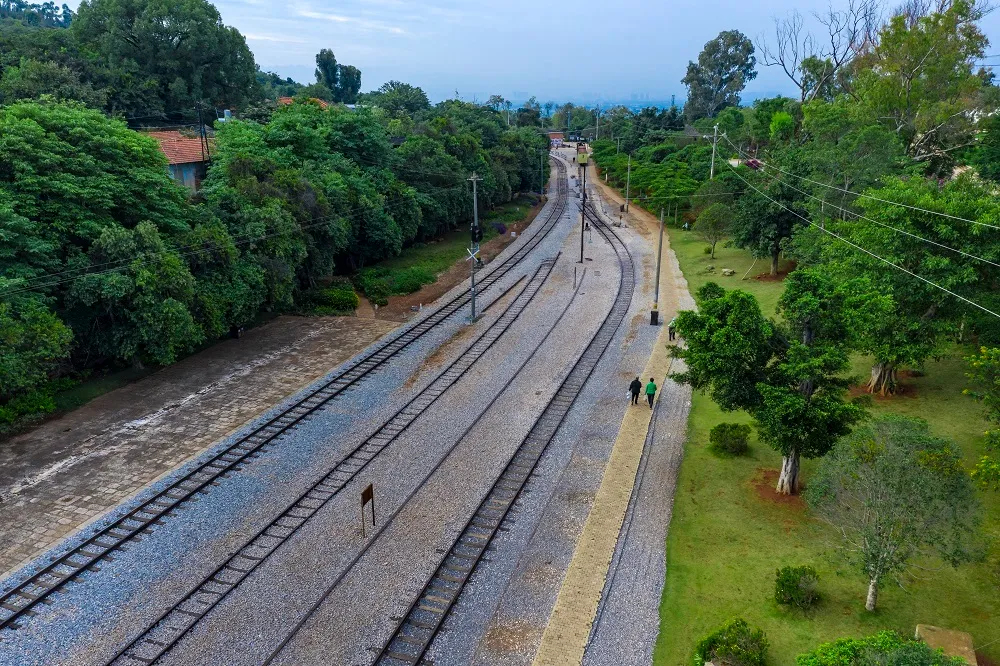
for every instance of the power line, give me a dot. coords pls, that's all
(858, 247)
(866, 196)
(889, 226)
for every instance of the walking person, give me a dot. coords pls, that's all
(634, 389)
(672, 329)
(650, 391)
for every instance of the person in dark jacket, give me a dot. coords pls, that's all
(650, 391)
(634, 388)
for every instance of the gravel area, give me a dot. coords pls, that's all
(380, 584)
(501, 616)
(91, 619)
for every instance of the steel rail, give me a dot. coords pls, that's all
(423, 620)
(20, 600)
(170, 627)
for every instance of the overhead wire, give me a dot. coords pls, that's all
(866, 196)
(889, 226)
(860, 248)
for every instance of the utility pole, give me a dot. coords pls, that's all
(715, 140)
(583, 207)
(477, 235)
(619, 148)
(598, 123)
(628, 180)
(654, 316)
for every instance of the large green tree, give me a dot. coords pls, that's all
(788, 376)
(725, 65)
(179, 50)
(925, 249)
(399, 97)
(896, 494)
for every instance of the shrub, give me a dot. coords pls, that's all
(410, 280)
(796, 586)
(729, 439)
(375, 287)
(338, 298)
(501, 228)
(707, 250)
(29, 405)
(886, 647)
(734, 644)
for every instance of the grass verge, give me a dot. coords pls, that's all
(729, 532)
(421, 263)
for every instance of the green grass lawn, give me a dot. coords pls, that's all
(420, 264)
(729, 534)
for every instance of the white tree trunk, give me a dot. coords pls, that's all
(872, 595)
(884, 378)
(788, 480)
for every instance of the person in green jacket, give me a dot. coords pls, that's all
(650, 391)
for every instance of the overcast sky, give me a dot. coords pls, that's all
(580, 50)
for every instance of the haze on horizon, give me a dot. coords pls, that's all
(582, 51)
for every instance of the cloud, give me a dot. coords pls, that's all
(273, 38)
(364, 24)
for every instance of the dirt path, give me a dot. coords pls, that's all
(64, 473)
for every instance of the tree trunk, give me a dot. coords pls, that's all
(788, 480)
(872, 595)
(713, 251)
(774, 262)
(884, 378)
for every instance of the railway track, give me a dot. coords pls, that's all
(168, 630)
(20, 600)
(423, 620)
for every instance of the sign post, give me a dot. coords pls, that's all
(367, 496)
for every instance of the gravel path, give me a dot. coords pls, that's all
(628, 619)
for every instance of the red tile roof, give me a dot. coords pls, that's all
(285, 101)
(179, 148)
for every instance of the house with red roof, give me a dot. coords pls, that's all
(187, 160)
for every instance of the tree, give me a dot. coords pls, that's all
(348, 84)
(327, 72)
(922, 314)
(399, 97)
(787, 377)
(986, 157)
(984, 371)
(895, 494)
(921, 82)
(179, 51)
(764, 222)
(818, 66)
(32, 79)
(712, 224)
(724, 68)
(34, 341)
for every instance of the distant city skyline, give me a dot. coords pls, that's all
(582, 52)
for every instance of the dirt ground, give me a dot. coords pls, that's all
(61, 475)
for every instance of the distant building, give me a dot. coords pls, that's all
(187, 162)
(556, 139)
